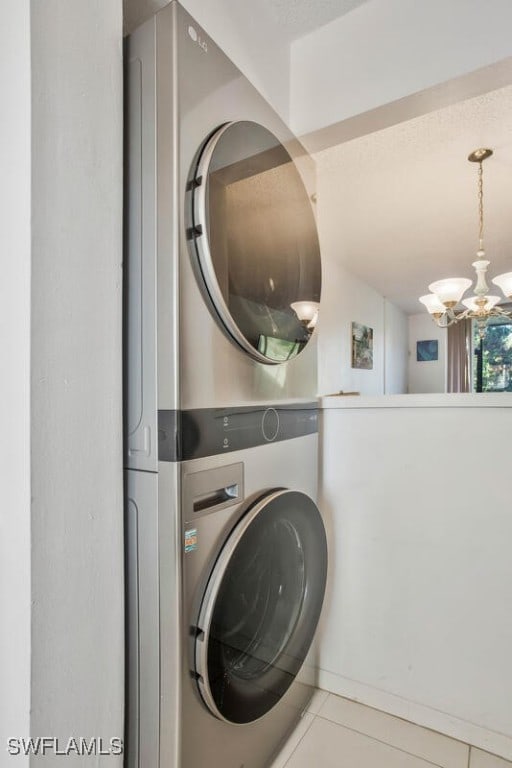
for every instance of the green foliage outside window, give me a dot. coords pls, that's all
(496, 351)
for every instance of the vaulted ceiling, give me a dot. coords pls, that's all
(399, 206)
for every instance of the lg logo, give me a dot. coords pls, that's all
(197, 39)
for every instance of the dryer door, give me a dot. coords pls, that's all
(261, 607)
(254, 241)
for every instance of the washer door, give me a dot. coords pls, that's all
(261, 607)
(255, 241)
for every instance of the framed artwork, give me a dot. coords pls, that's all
(362, 346)
(426, 350)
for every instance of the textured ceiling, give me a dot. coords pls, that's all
(298, 17)
(399, 206)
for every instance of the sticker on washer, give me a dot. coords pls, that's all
(191, 540)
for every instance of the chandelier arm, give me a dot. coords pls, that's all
(498, 312)
(493, 312)
(449, 318)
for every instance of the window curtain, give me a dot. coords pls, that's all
(459, 357)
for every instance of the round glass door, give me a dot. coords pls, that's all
(254, 241)
(261, 607)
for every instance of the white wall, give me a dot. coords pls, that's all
(417, 619)
(77, 508)
(345, 298)
(383, 51)
(15, 379)
(426, 376)
(245, 31)
(395, 349)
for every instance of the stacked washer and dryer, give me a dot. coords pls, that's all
(225, 548)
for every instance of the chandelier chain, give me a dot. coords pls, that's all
(481, 205)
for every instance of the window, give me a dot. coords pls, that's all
(492, 358)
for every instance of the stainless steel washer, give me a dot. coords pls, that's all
(254, 569)
(225, 588)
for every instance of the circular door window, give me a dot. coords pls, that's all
(261, 607)
(254, 241)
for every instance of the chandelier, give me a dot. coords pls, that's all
(447, 294)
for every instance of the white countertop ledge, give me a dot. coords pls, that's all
(463, 400)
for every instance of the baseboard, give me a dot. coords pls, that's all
(490, 741)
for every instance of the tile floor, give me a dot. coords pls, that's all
(338, 733)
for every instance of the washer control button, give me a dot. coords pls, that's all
(270, 424)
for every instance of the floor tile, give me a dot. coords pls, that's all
(304, 724)
(481, 759)
(318, 699)
(328, 745)
(429, 745)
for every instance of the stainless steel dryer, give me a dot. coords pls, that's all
(223, 260)
(222, 286)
